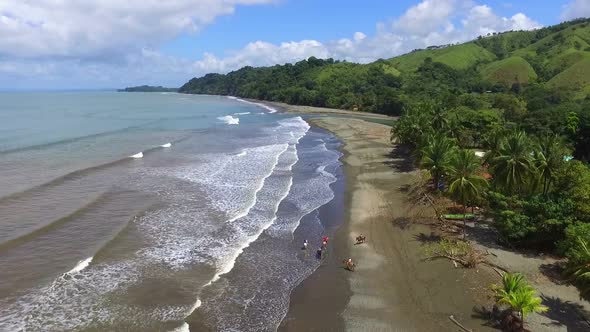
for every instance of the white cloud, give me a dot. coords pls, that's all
(426, 17)
(576, 9)
(114, 42)
(81, 28)
(428, 23)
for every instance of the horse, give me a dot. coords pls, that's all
(361, 239)
(349, 265)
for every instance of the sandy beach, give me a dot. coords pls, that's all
(392, 288)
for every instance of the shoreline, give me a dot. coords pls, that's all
(392, 288)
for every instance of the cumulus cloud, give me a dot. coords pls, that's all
(576, 9)
(431, 22)
(115, 42)
(73, 28)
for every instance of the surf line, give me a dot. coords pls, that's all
(139, 155)
(266, 107)
(226, 268)
(80, 266)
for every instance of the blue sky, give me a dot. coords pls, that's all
(113, 43)
(322, 20)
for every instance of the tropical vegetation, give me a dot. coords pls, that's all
(501, 123)
(518, 294)
(553, 62)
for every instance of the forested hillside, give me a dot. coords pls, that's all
(522, 97)
(553, 63)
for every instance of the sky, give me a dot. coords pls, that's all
(90, 44)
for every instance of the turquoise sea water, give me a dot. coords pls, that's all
(145, 211)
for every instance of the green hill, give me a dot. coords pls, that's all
(575, 78)
(509, 71)
(457, 57)
(554, 59)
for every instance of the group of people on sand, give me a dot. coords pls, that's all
(348, 263)
(321, 249)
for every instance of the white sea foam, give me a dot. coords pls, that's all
(137, 155)
(73, 303)
(167, 145)
(266, 107)
(230, 120)
(182, 328)
(242, 113)
(195, 306)
(76, 302)
(268, 196)
(80, 266)
(241, 154)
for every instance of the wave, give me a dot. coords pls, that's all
(266, 107)
(82, 172)
(291, 158)
(80, 266)
(230, 120)
(31, 234)
(229, 261)
(167, 145)
(66, 141)
(182, 328)
(137, 155)
(242, 113)
(241, 154)
(260, 186)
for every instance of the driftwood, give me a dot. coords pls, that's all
(452, 318)
(496, 267)
(454, 259)
(438, 215)
(468, 264)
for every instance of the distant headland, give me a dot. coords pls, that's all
(148, 88)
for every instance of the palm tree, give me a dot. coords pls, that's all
(465, 184)
(548, 158)
(519, 295)
(511, 282)
(412, 127)
(436, 157)
(440, 121)
(513, 167)
(524, 301)
(493, 143)
(580, 270)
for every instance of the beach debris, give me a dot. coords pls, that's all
(452, 318)
(361, 239)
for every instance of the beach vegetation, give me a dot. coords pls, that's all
(458, 251)
(579, 265)
(436, 157)
(518, 294)
(465, 183)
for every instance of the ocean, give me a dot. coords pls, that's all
(157, 211)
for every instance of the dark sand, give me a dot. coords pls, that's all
(392, 288)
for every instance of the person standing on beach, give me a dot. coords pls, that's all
(319, 253)
(304, 245)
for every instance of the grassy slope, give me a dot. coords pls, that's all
(576, 77)
(457, 56)
(565, 53)
(562, 56)
(510, 70)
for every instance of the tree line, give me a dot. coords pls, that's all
(526, 177)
